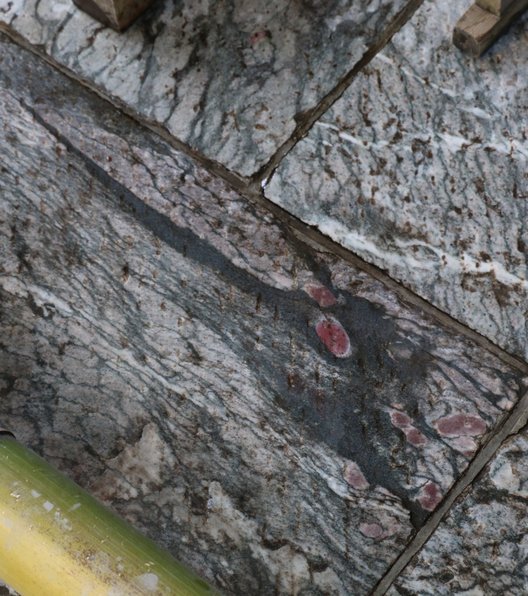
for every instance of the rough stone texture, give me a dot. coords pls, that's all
(278, 419)
(421, 168)
(482, 547)
(227, 77)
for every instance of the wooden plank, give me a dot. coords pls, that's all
(497, 7)
(478, 29)
(118, 14)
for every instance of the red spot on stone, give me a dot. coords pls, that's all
(354, 476)
(430, 496)
(460, 425)
(404, 423)
(371, 530)
(400, 420)
(334, 337)
(466, 445)
(415, 437)
(323, 296)
(258, 36)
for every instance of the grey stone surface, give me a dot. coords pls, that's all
(482, 547)
(227, 77)
(278, 419)
(421, 168)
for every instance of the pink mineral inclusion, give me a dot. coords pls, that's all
(466, 445)
(354, 476)
(371, 530)
(334, 337)
(461, 425)
(258, 36)
(415, 437)
(400, 420)
(430, 496)
(404, 423)
(323, 296)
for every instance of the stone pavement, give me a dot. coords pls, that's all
(250, 391)
(421, 169)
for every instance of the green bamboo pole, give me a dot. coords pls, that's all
(56, 540)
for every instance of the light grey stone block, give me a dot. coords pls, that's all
(421, 169)
(230, 79)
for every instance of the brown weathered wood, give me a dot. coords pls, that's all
(118, 14)
(478, 28)
(497, 7)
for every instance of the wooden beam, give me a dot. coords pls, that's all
(118, 14)
(478, 28)
(494, 6)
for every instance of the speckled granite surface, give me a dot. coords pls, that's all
(229, 78)
(482, 547)
(421, 168)
(277, 418)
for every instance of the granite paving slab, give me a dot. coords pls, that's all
(229, 78)
(482, 547)
(421, 169)
(276, 417)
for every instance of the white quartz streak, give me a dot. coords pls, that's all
(453, 143)
(372, 251)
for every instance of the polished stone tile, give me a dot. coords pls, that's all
(421, 168)
(482, 547)
(279, 419)
(229, 78)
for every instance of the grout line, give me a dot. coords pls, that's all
(512, 424)
(311, 234)
(237, 181)
(254, 194)
(312, 115)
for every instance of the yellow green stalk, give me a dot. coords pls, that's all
(57, 540)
